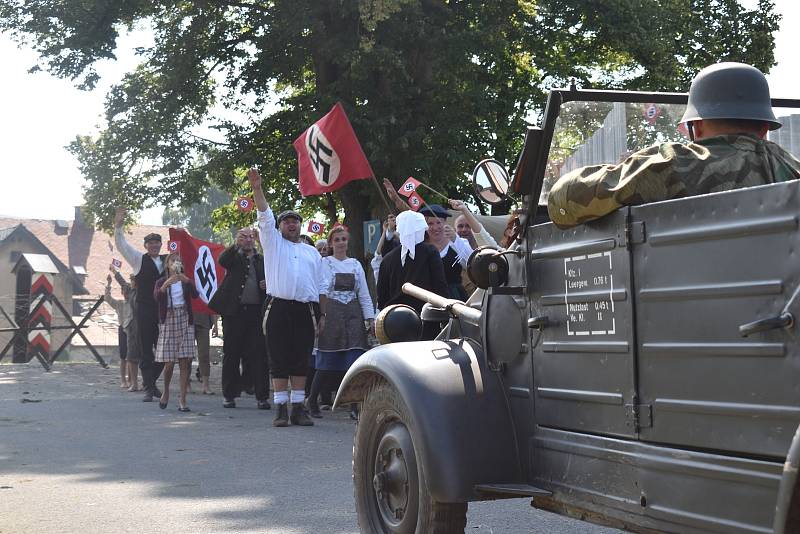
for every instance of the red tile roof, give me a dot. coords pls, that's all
(79, 245)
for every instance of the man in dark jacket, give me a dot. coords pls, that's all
(147, 268)
(239, 301)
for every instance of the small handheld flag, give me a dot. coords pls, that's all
(244, 204)
(415, 201)
(316, 228)
(409, 186)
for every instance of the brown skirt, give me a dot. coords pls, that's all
(175, 337)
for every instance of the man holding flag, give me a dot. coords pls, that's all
(294, 307)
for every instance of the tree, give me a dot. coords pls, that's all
(430, 87)
(195, 218)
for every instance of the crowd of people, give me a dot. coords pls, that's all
(295, 317)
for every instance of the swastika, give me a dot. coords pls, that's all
(315, 147)
(205, 274)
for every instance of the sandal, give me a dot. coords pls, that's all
(184, 409)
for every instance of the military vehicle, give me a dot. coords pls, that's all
(640, 371)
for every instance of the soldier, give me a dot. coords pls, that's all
(728, 115)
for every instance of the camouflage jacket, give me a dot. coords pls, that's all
(666, 171)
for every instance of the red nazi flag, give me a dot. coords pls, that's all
(415, 201)
(329, 155)
(200, 262)
(316, 228)
(409, 186)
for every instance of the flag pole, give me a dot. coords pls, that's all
(381, 193)
(434, 191)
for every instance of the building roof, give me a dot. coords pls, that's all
(39, 263)
(77, 245)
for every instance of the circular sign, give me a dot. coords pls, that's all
(244, 204)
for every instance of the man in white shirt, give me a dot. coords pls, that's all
(147, 268)
(294, 307)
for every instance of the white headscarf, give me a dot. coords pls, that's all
(411, 226)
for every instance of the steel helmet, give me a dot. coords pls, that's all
(730, 91)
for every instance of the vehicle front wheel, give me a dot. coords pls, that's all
(389, 481)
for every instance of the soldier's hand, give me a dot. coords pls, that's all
(254, 177)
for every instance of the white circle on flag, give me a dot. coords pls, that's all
(409, 187)
(323, 158)
(315, 228)
(244, 203)
(205, 274)
(651, 111)
(415, 201)
(173, 246)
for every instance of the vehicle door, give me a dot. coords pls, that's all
(707, 265)
(583, 349)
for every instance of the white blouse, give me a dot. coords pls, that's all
(332, 266)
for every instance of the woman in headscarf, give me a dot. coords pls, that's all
(413, 261)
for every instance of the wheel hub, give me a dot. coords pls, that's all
(391, 477)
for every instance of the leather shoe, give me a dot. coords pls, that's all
(229, 403)
(313, 409)
(263, 405)
(281, 415)
(156, 392)
(299, 416)
(148, 396)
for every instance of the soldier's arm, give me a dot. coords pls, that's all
(649, 175)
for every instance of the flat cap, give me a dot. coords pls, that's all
(152, 237)
(288, 213)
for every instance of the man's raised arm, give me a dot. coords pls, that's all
(131, 255)
(258, 194)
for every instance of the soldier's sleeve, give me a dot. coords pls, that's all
(648, 175)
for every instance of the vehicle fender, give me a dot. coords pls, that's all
(787, 507)
(462, 428)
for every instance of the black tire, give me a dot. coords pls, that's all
(392, 495)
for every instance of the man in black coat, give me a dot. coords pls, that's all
(239, 301)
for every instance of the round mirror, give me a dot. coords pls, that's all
(491, 181)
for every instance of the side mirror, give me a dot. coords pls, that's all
(487, 268)
(490, 180)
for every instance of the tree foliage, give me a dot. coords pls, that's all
(431, 86)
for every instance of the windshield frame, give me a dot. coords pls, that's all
(558, 97)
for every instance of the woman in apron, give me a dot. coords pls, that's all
(349, 315)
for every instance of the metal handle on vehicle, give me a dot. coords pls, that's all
(784, 320)
(538, 322)
(456, 307)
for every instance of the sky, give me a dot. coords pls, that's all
(42, 114)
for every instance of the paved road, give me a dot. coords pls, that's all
(77, 454)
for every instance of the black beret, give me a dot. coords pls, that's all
(434, 210)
